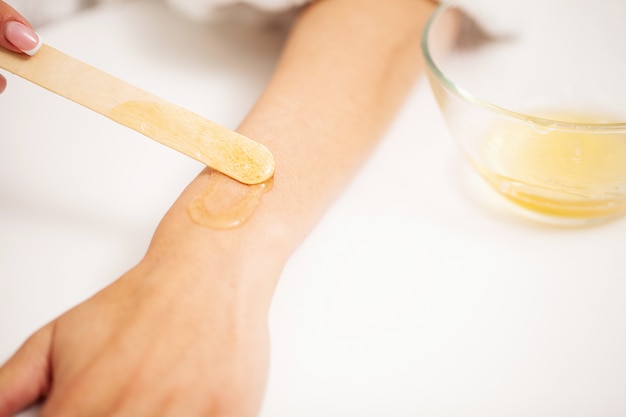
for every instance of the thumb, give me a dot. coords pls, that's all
(26, 376)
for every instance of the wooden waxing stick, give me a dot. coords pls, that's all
(220, 148)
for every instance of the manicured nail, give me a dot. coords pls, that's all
(22, 37)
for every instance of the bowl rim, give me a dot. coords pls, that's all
(540, 123)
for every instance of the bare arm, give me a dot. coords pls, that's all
(185, 331)
(345, 70)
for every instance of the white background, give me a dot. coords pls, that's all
(421, 293)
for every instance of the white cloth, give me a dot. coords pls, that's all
(208, 9)
(487, 13)
(41, 11)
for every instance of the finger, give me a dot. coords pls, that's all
(16, 34)
(3, 83)
(25, 377)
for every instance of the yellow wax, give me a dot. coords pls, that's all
(576, 173)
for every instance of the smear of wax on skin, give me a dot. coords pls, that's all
(225, 203)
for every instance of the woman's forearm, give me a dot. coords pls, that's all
(345, 69)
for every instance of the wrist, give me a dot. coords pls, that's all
(249, 257)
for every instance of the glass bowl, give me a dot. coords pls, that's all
(534, 94)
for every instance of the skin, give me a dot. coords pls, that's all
(185, 331)
(7, 14)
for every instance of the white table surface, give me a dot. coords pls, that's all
(420, 293)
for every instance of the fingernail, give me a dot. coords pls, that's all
(22, 37)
